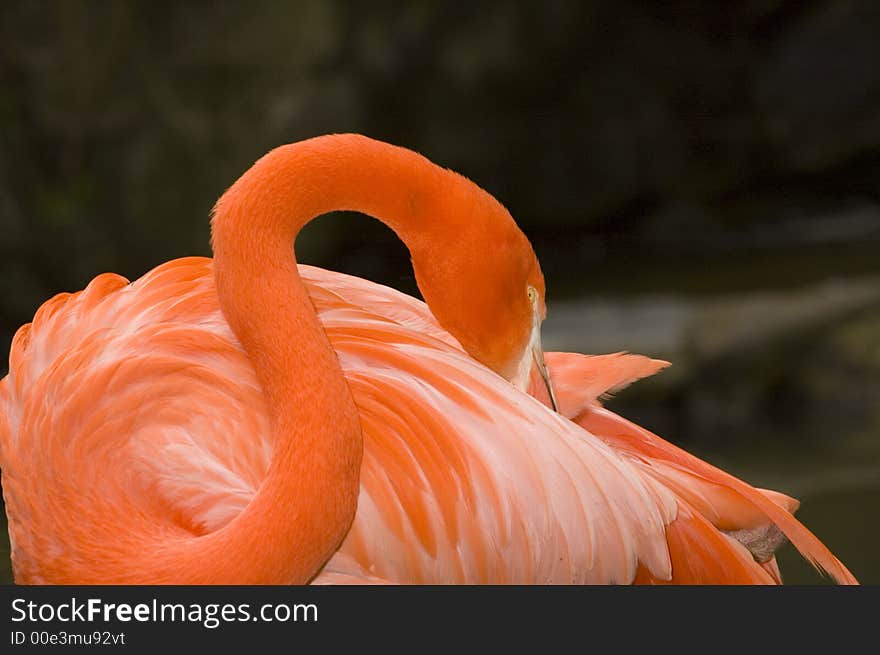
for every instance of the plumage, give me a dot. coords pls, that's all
(458, 483)
(136, 419)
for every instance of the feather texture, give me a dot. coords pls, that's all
(462, 481)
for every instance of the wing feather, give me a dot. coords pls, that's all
(142, 391)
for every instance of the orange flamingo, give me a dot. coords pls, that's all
(249, 420)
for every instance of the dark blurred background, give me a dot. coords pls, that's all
(700, 180)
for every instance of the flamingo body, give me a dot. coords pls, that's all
(244, 420)
(153, 423)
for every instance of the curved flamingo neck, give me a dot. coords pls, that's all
(306, 504)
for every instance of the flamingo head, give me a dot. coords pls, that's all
(484, 285)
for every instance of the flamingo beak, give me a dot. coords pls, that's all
(541, 365)
(532, 365)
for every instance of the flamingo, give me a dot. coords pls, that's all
(249, 420)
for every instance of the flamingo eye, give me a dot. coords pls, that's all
(532, 293)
